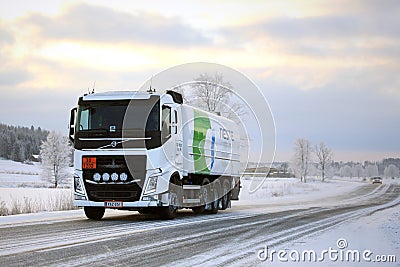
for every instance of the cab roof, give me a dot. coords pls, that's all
(118, 95)
(128, 95)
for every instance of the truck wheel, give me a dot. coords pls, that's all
(204, 198)
(215, 197)
(145, 211)
(94, 213)
(226, 195)
(170, 211)
(199, 209)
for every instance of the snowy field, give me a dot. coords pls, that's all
(22, 190)
(16, 174)
(276, 192)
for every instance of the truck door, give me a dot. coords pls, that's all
(170, 137)
(176, 126)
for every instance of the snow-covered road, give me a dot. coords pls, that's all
(232, 237)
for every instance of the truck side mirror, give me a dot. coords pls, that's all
(72, 124)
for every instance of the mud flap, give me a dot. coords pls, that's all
(236, 190)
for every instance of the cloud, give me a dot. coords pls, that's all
(354, 111)
(357, 29)
(6, 36)
(347, 26)
(100, 24)
(11, 77)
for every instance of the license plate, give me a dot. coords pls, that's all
(113, 204)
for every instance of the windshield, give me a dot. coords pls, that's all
(98, 117)
(131, 123)
(109, 116)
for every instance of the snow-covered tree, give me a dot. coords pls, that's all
(346, 171)
(372, 170)
(18, 153)
(20, 143)
(391, 171)
(55, 155)
(324, 157)
(358, 170)
(302, 158)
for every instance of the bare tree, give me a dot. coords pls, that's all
(302, 158)
(391, 171)
(55, 155)
(284, 167)
(324, 157)
(213, 94)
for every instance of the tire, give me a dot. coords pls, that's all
(199, 209)
(175, 199)
(145, 211)
(215, 197)
(170, 212)
(226, 195)
(205, 197)
(94, 213)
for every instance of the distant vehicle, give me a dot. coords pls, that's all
(376, 180)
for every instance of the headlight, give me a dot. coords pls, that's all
(106, 177)
(114, 177)
(123, 177)
(151, 185)
(96, 177)
(78, 185)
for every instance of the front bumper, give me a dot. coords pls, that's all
(126, 205)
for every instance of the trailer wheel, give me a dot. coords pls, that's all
(215, 197)
(198, 209)
(226, 196)
(204, 198)
(94, 213)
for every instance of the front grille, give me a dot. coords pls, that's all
(113, 195)
(128, 189)
(110, 192)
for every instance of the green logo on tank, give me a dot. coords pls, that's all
(201, 125)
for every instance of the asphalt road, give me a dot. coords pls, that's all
(231, 237)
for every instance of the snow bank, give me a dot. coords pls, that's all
(28, 200)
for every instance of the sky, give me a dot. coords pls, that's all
(329, 69)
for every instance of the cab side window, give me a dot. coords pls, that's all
(166, 123)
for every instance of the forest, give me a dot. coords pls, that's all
(20, 143)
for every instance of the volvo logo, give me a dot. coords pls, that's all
(114, 143)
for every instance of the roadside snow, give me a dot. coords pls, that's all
(22, 190)
(375, 238)
(30, 200)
